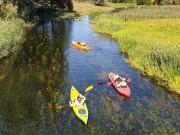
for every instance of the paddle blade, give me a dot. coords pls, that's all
(90, 42)
(100, 83)
(109, 84)
(89, 88)
(129, 80)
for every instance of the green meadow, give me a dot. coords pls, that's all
(150, 37)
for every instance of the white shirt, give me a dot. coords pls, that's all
(77, 103)
(116, 77)
(122, 83)
(83, 43)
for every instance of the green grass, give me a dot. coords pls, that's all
(150, 12)
(150, 37)
(120, 5)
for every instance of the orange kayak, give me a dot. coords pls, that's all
(125, 91)
(85, 47)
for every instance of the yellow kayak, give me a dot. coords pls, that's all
(80, 111)
(80, 46)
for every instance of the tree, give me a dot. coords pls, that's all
(7, 10)
(69, 5)
(61, 4)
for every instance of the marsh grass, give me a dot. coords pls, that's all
(150, 37)
(10, 36)
(150, 12)
(120, 5)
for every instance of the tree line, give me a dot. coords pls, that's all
(138, 2)
(28, 8)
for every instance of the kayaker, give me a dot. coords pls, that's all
(117, 79)
(78, 101)
(123, 83)
(82, 43)
(120, 81)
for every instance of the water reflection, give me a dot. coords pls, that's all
(34, 77)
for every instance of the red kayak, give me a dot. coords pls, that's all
(123, 90)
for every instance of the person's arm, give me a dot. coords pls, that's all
(71, 104)
(84, 98)
(125, 83)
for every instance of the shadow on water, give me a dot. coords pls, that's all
(37, 79)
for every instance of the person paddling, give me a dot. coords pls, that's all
(83, 43)
(120, 81)
(78, 101)
(117, 80)
(123, 83)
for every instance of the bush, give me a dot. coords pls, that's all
(11, 33)
(7, 11)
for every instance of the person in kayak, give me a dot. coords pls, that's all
(117, 79)
(123, 83)
(78, 101)
(83, 43)
(120, 81)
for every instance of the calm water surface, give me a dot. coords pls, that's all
(37, 80)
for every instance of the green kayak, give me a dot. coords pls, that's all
(80, 111)
(76, 19)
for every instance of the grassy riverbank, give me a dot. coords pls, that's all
(150, 38)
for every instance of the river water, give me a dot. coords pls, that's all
(35, 85)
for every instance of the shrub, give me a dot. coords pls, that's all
(7, 11)
(11, 33)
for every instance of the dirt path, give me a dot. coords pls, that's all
(85, 7)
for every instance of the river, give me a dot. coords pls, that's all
(37, 80)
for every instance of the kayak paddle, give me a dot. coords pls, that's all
(89, 88)
(59, 107)
(100, 83)
(129, 80)
(109, 84)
